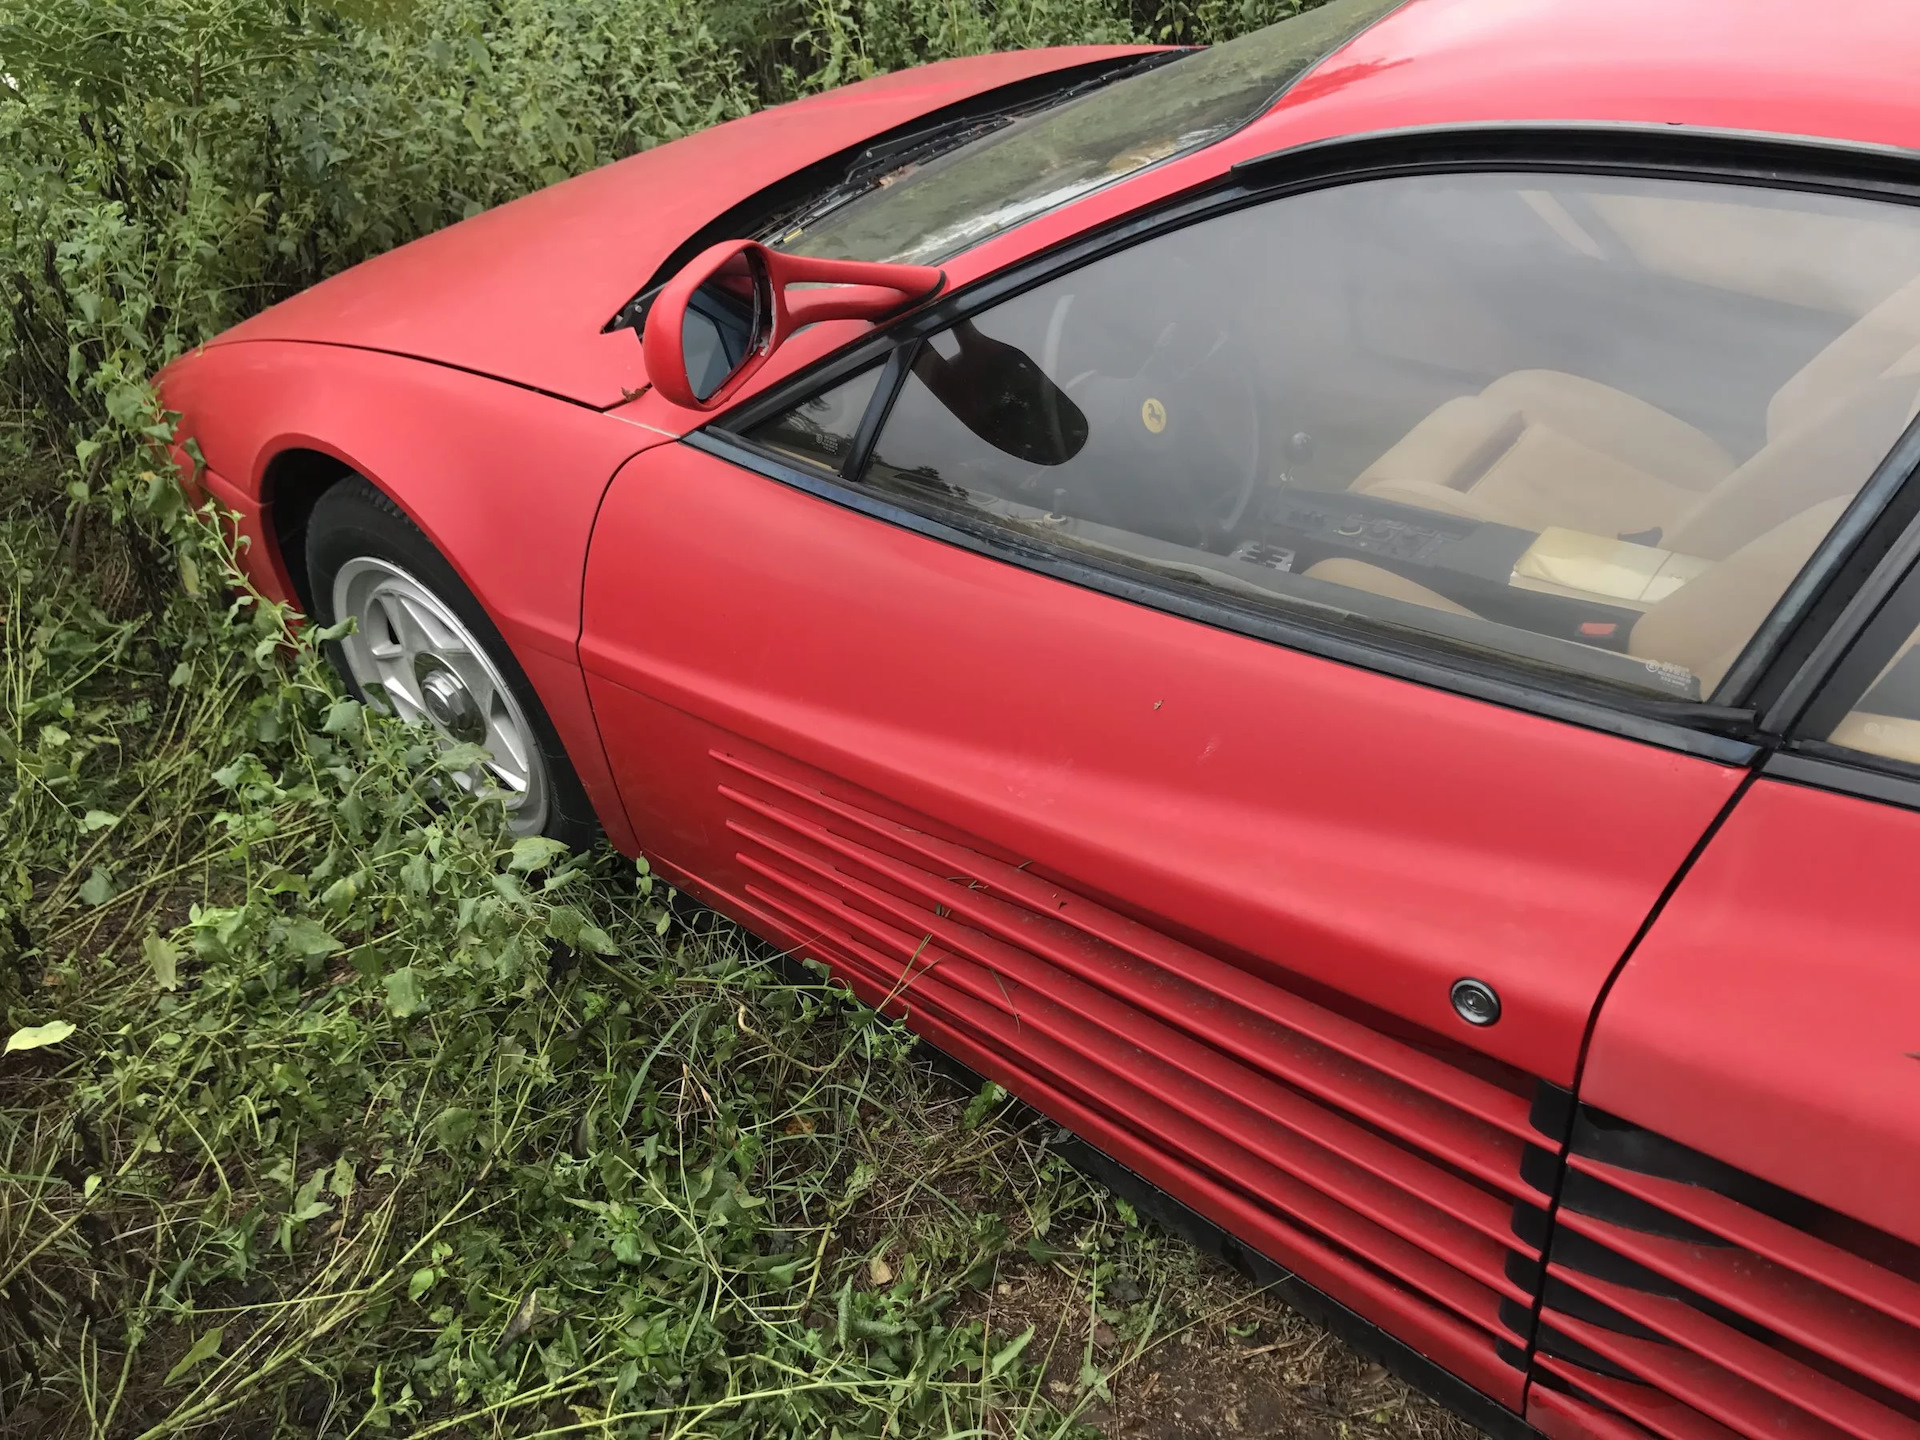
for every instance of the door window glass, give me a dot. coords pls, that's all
(1594, 425)
(1871, 702)
(1886, 721)
(821, 431)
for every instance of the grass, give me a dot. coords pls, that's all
(373, 1122)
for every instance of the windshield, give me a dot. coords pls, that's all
(925, 214)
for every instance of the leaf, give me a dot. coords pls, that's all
(985, 1101)
(163, 956)
(205, 1348)
(458, 759)
(34, 1037)
(98, 820)
(339, 896)
(571, 928)
(534, 852)
(343, 718)
(453, 1126)
(421, 1282)
(564, 924)
(1010, 1352)
(126, 400)
(403, 992)
(309, 938)
(1091, 1378)
(307, 1204)
(97, 888)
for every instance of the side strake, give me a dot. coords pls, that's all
(1372, 1166)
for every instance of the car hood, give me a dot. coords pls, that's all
(522, 292)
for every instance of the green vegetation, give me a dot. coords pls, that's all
(327, 1111)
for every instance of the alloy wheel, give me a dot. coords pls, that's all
(411, 656)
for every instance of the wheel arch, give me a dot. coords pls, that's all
(291, 484)
(292, 473)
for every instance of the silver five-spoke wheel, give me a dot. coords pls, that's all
(411, 654)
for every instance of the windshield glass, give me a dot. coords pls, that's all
(925, 214)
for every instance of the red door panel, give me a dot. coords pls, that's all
(1369, 834)
(1736, 1231)
(1199, 897)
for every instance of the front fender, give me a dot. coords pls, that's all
(503, 480)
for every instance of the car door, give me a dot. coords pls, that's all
(1738, 1241)
(1199, 685)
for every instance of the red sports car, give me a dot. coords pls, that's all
(1335, 612)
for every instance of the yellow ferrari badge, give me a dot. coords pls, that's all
(1153, 415)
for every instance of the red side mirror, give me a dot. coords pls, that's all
(718, 320)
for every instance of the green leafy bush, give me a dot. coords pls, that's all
(175, 165)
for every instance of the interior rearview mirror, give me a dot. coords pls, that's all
(731, 307)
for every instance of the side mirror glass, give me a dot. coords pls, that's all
(725, 323)
(718, 320)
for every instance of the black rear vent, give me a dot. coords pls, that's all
(1687, 1299)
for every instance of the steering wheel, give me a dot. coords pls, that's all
(1194, 356)
(1176, 437)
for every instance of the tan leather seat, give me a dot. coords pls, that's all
(1701, 627)
(1539, 448)
(1826, 458)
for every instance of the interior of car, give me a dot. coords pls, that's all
(1590, 424)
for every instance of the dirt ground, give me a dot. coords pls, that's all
(1244, 1365)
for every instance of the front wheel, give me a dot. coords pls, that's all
(424, 650)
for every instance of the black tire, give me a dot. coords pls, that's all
(354, 520)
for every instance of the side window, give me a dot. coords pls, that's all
(1870, 705)
(821, 431)
(1886, 720)
(1560, 419)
